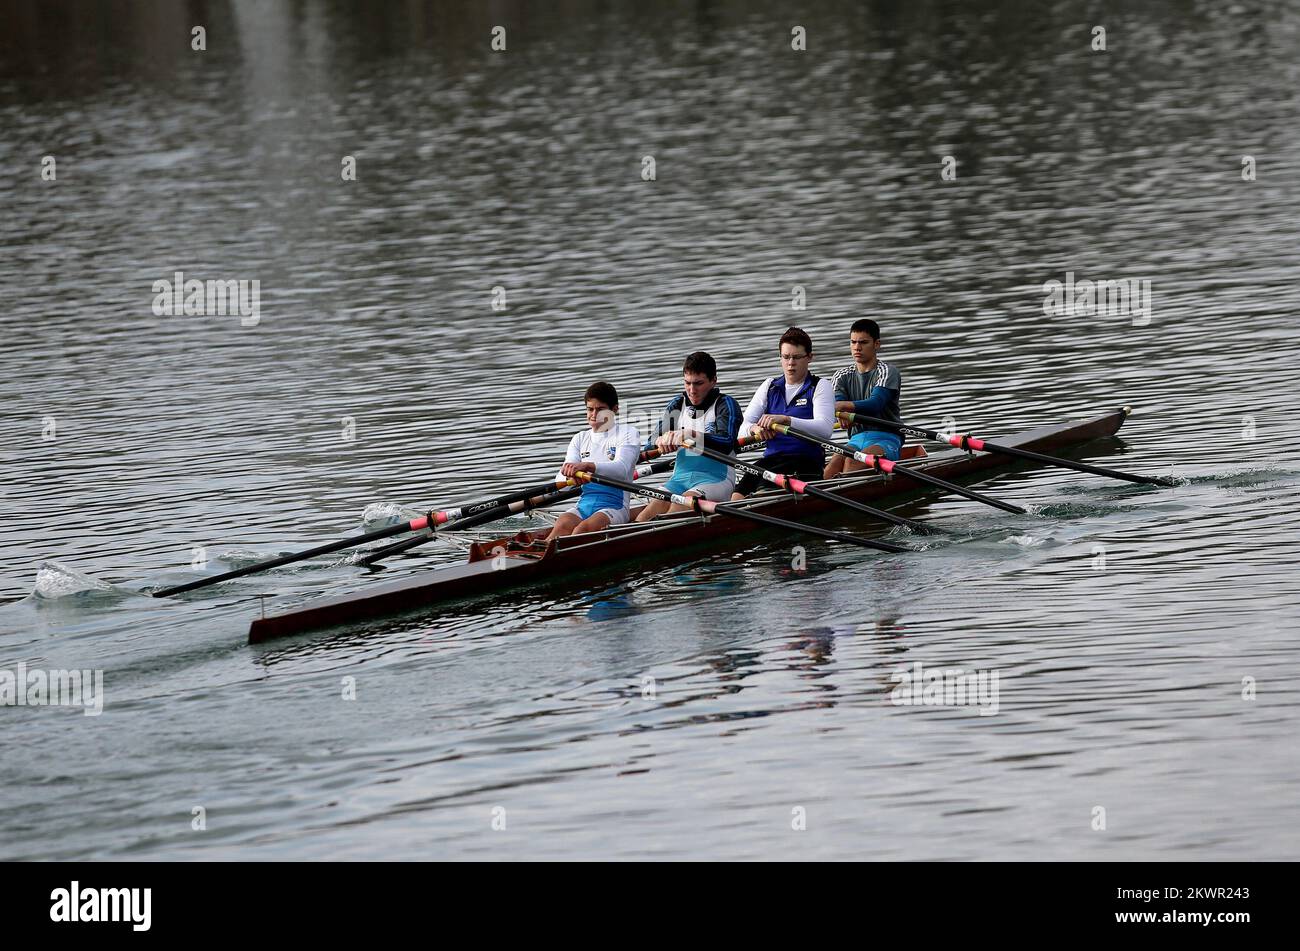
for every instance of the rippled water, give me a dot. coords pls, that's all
(131, 440)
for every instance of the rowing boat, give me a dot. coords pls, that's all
(529, 557)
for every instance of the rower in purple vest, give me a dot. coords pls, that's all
(799, 398)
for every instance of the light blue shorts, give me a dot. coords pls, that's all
(892, 443)
(589, 506)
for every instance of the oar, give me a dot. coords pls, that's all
(469, 509)
(558, 493)
(430, 520)
(717, 508)
(433, 519)
(800, 487)
(968, 442)
(414, 525)
(469, 521)
(884, 465)
(473, 508)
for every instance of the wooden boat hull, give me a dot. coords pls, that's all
(529, 558)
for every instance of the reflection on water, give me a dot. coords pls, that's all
(690, 706)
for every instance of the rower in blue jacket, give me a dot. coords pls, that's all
(870, 387)
(701, 412)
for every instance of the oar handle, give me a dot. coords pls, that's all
(775, 478)
(558, 492)
(901, 427)
(469, 521)
(466, 509)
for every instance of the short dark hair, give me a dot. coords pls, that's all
(797, 338)
(866, 326)
(701, 362)
(605, 392)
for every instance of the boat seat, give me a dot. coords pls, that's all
(912, 452)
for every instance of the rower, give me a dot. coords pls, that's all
(702, 412)
(871, 387)
(797, 396)
(607, 448)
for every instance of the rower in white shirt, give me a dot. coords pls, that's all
(607, 448)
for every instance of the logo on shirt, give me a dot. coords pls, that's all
(801, 402)
(610, 453)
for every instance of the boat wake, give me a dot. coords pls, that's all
(56, 582)
(243, 557)
(1080, 510)
(1025, 541)
(1247, 478)
(1116, 490)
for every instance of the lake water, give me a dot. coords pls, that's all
(727, 705)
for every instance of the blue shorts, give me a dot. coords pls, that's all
(892, 443)
(589, 505)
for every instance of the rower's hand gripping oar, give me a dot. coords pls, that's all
(969, 442)
(881, 464)
(800, 487)
(718, 508)
(480, 517)
(558, 492)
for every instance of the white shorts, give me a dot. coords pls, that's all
(713, 491)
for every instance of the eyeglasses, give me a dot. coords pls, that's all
(796, 358)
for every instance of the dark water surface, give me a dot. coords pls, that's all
(1123, 621)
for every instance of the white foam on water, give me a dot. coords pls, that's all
(1026, 541)
(381, 514)
(54, 580)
